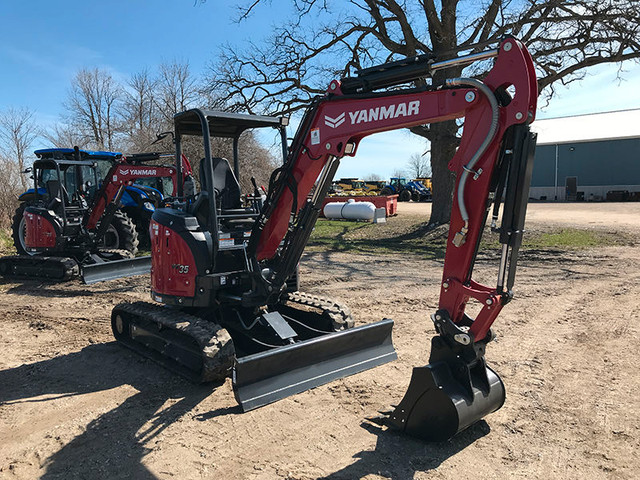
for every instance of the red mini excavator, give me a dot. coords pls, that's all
(226, 270)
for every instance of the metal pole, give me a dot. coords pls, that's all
(236, 161)
(285, 147)
(556, 175)
(177, 140)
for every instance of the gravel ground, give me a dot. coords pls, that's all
(74, 404)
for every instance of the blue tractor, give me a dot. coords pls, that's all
(406, 191)
(137, 203)
(419, 193)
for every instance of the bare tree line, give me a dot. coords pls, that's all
(102, 113)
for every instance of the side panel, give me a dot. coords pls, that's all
(40, 232)
(173, 268)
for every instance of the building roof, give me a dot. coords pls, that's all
(587, 128)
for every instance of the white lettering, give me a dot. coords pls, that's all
(401, 110)
(148, 172)
(377, 113)
(387, 112)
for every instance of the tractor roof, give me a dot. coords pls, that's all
(68, 154)
(62, 163)
(222, 124)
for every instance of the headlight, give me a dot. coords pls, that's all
(148, 206)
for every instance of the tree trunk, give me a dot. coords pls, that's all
(443, 147)
(23, 179)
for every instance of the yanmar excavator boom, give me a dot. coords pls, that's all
(224, 270)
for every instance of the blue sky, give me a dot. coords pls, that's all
(44, 43)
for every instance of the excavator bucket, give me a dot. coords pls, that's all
(268, 376)
(446, 396)
(128, 267)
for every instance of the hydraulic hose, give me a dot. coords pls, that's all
(468, 168)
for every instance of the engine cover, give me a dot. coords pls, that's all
(179, 253)
(42, 229)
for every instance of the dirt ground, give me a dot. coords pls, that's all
(74, 404)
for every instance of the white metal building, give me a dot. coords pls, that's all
(587, 156)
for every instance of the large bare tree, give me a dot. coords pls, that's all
(141, 116)
(11, 185)
(92, 108)
(176, 90)
(61, 135)
(418, 166)
(325, 39)
(18, 131)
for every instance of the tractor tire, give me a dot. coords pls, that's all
(121, 234)
(386, 191)
(405, 196)
(415, 197)
(18, 230)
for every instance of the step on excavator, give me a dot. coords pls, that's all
(71, 224)
(225, 271)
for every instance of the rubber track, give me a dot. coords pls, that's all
(339, 313)
(12, 265)
(215, 342)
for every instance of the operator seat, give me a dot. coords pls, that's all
(225, 184)
(227, 190)
(58, 197)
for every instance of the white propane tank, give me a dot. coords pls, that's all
(350, 210)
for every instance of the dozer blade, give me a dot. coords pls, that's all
(128, 267)
(269, 376)
(439, 403)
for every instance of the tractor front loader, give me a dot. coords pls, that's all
(226, 270)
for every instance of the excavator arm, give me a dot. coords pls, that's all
(495, 155)
(336, 123)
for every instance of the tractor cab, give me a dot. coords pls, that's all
(63, 191)
(398, 182)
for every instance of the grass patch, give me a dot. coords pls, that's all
(567, 239)
(398, 235)
(6, 243)
(404, 236)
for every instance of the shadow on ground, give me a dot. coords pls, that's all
(113, 445)
(39, 288)
(399, 457)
